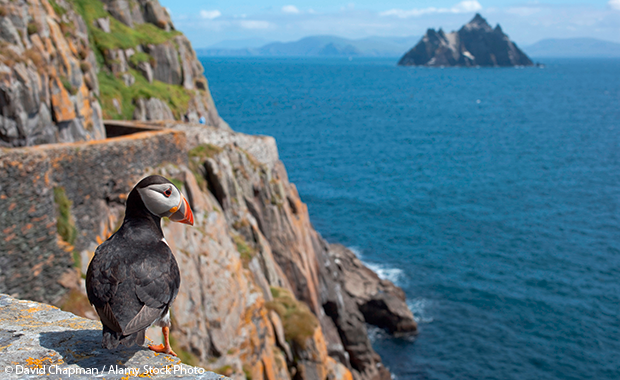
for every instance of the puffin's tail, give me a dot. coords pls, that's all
(111, 339)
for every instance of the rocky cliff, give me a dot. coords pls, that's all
(475, 44)
(263, 296)
(65, 65)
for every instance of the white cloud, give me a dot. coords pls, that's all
(524, 11)
(290, 9)
(462, 7)
(614, 4)
(466, 6)
(254, 24)
(210, 15)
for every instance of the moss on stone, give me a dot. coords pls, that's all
(204, 151)
(140, 57)
(298, 321)
(64, 221)
(245, 251)
(32, 28)
(77, 260)
(247, 371)
(68, 86)
(57, 8)
(121, 36)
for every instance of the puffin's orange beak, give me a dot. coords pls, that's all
(182, 213)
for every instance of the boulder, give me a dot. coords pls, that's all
(156, 14)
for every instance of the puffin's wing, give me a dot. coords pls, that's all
(157, 280)
(102, 280)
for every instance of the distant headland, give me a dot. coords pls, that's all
(475, 44)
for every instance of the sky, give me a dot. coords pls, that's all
(208, 22)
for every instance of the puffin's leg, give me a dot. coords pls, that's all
(164, 348)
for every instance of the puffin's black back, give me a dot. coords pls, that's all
(133, 277)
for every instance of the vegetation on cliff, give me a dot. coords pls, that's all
(298, 321)
(64, 221)
(120, 36)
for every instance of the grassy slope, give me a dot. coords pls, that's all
(124, 37)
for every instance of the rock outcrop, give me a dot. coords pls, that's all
(475, 44)
(39, 340)
(67, 65)
(48, 79)
(262, 296)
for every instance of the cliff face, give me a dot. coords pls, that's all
(262, 296)
(67, 64)
(475, 44)
(48, 79)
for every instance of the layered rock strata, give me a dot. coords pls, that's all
(262, 296)
(48, 77)
(65, 65)
(475, 44)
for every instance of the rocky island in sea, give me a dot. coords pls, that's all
(263, 296)
(475, 44)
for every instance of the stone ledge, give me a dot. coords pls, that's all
(41, 341)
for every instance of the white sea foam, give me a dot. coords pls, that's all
(384, 272)
(420, 308)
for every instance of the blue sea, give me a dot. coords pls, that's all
(491, 196)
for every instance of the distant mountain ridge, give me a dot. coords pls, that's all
(475, 44)
(574, 48)
(321, 46)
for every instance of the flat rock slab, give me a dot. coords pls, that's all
(41, 341)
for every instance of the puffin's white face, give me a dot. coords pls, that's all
(161, 199)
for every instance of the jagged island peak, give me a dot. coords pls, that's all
(475, 44)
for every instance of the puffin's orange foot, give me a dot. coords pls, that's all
(162, 349)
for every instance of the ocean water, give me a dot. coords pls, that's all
(492, 196)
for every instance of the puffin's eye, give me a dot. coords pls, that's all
(168, 192)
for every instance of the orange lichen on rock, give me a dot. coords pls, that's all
(35, 363)
(61, 103)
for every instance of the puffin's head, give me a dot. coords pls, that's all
(162, 198)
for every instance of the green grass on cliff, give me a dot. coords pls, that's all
(64, 221)
(298, 321)
(111, 87)
(245, 251)
(204, 151)
(121, 36)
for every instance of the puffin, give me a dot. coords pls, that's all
(133, 277)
